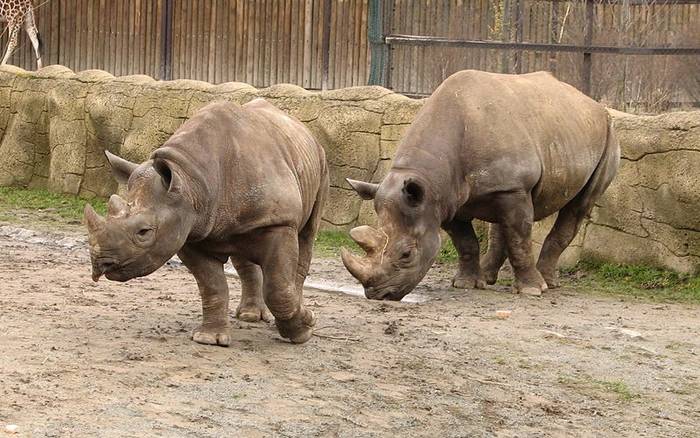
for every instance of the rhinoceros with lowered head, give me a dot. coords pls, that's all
(245, 183)
(505, 149)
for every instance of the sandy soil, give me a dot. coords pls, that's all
(110, 359)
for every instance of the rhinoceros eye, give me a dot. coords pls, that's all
(144, 232)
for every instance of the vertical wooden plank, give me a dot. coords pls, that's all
(325, 45)
(519, 11)
(308, 28)
(211, 41)
(588, 38)
(250, 35)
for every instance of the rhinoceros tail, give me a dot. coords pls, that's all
(604, 172)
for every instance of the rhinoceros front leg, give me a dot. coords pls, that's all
(252, 307)
(517, 217)
(213, 288)
(465, 241)
(282, 295)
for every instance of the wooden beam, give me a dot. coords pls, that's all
(539, 47)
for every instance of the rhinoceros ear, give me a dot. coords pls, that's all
(364, 189)
(413, 192)
(171, 180)
(121, 169)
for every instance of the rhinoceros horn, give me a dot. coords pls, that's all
(117, 207)
(370, 240)
(93, 220)
(356, 266)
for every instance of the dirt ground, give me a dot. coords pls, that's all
(112, 359)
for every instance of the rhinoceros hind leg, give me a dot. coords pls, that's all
(495, 255)
(464, 239)
(562, 233)
(213, 288)
(517, 212)
(252, 307)
(572, 215)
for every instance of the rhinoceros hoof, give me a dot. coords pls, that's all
(299, 328)
(552, 282)
(468, 283)
(212, 336)
(532, 291)
(253, 313)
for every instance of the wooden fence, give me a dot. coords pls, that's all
(260, 42)
(415, 44)
(629, 53)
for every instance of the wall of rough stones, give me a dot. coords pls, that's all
(54, 125)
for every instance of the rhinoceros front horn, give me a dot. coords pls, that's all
(355, 266)
(93, 220)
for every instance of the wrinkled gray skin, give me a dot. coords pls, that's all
(245, 183)
(506, 149)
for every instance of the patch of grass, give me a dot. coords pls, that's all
(64, 206)
(448, 252)
(618, 387)
(328, 243)
(588, 384)
(636, 280)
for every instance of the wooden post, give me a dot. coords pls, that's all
(166, 52)
(505, 36)
(519, 6)
(588, 41)
(379, 50)
(326, 42)
(554, 23)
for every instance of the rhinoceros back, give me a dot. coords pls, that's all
(506, 132)
(252, 166)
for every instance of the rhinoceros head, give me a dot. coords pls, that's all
(402, 249)
(141, 232)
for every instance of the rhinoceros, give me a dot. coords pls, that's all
(505, 149)
(245, 183)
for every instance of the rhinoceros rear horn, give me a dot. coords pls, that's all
(117, 207)
(369, 239)
(92, 220)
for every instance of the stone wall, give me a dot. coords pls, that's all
(54, 125)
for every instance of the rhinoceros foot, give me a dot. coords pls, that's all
(468, 282)
(253, 313)
(299, 328)
(530, 289)
(550, 275)
(212, 335)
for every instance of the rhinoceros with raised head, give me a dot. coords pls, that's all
(245, 183)
(506, 149)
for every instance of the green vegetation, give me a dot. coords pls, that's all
(637, 280)
(588, 384)
(62, 206)
(328, 244)
(618, 387)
